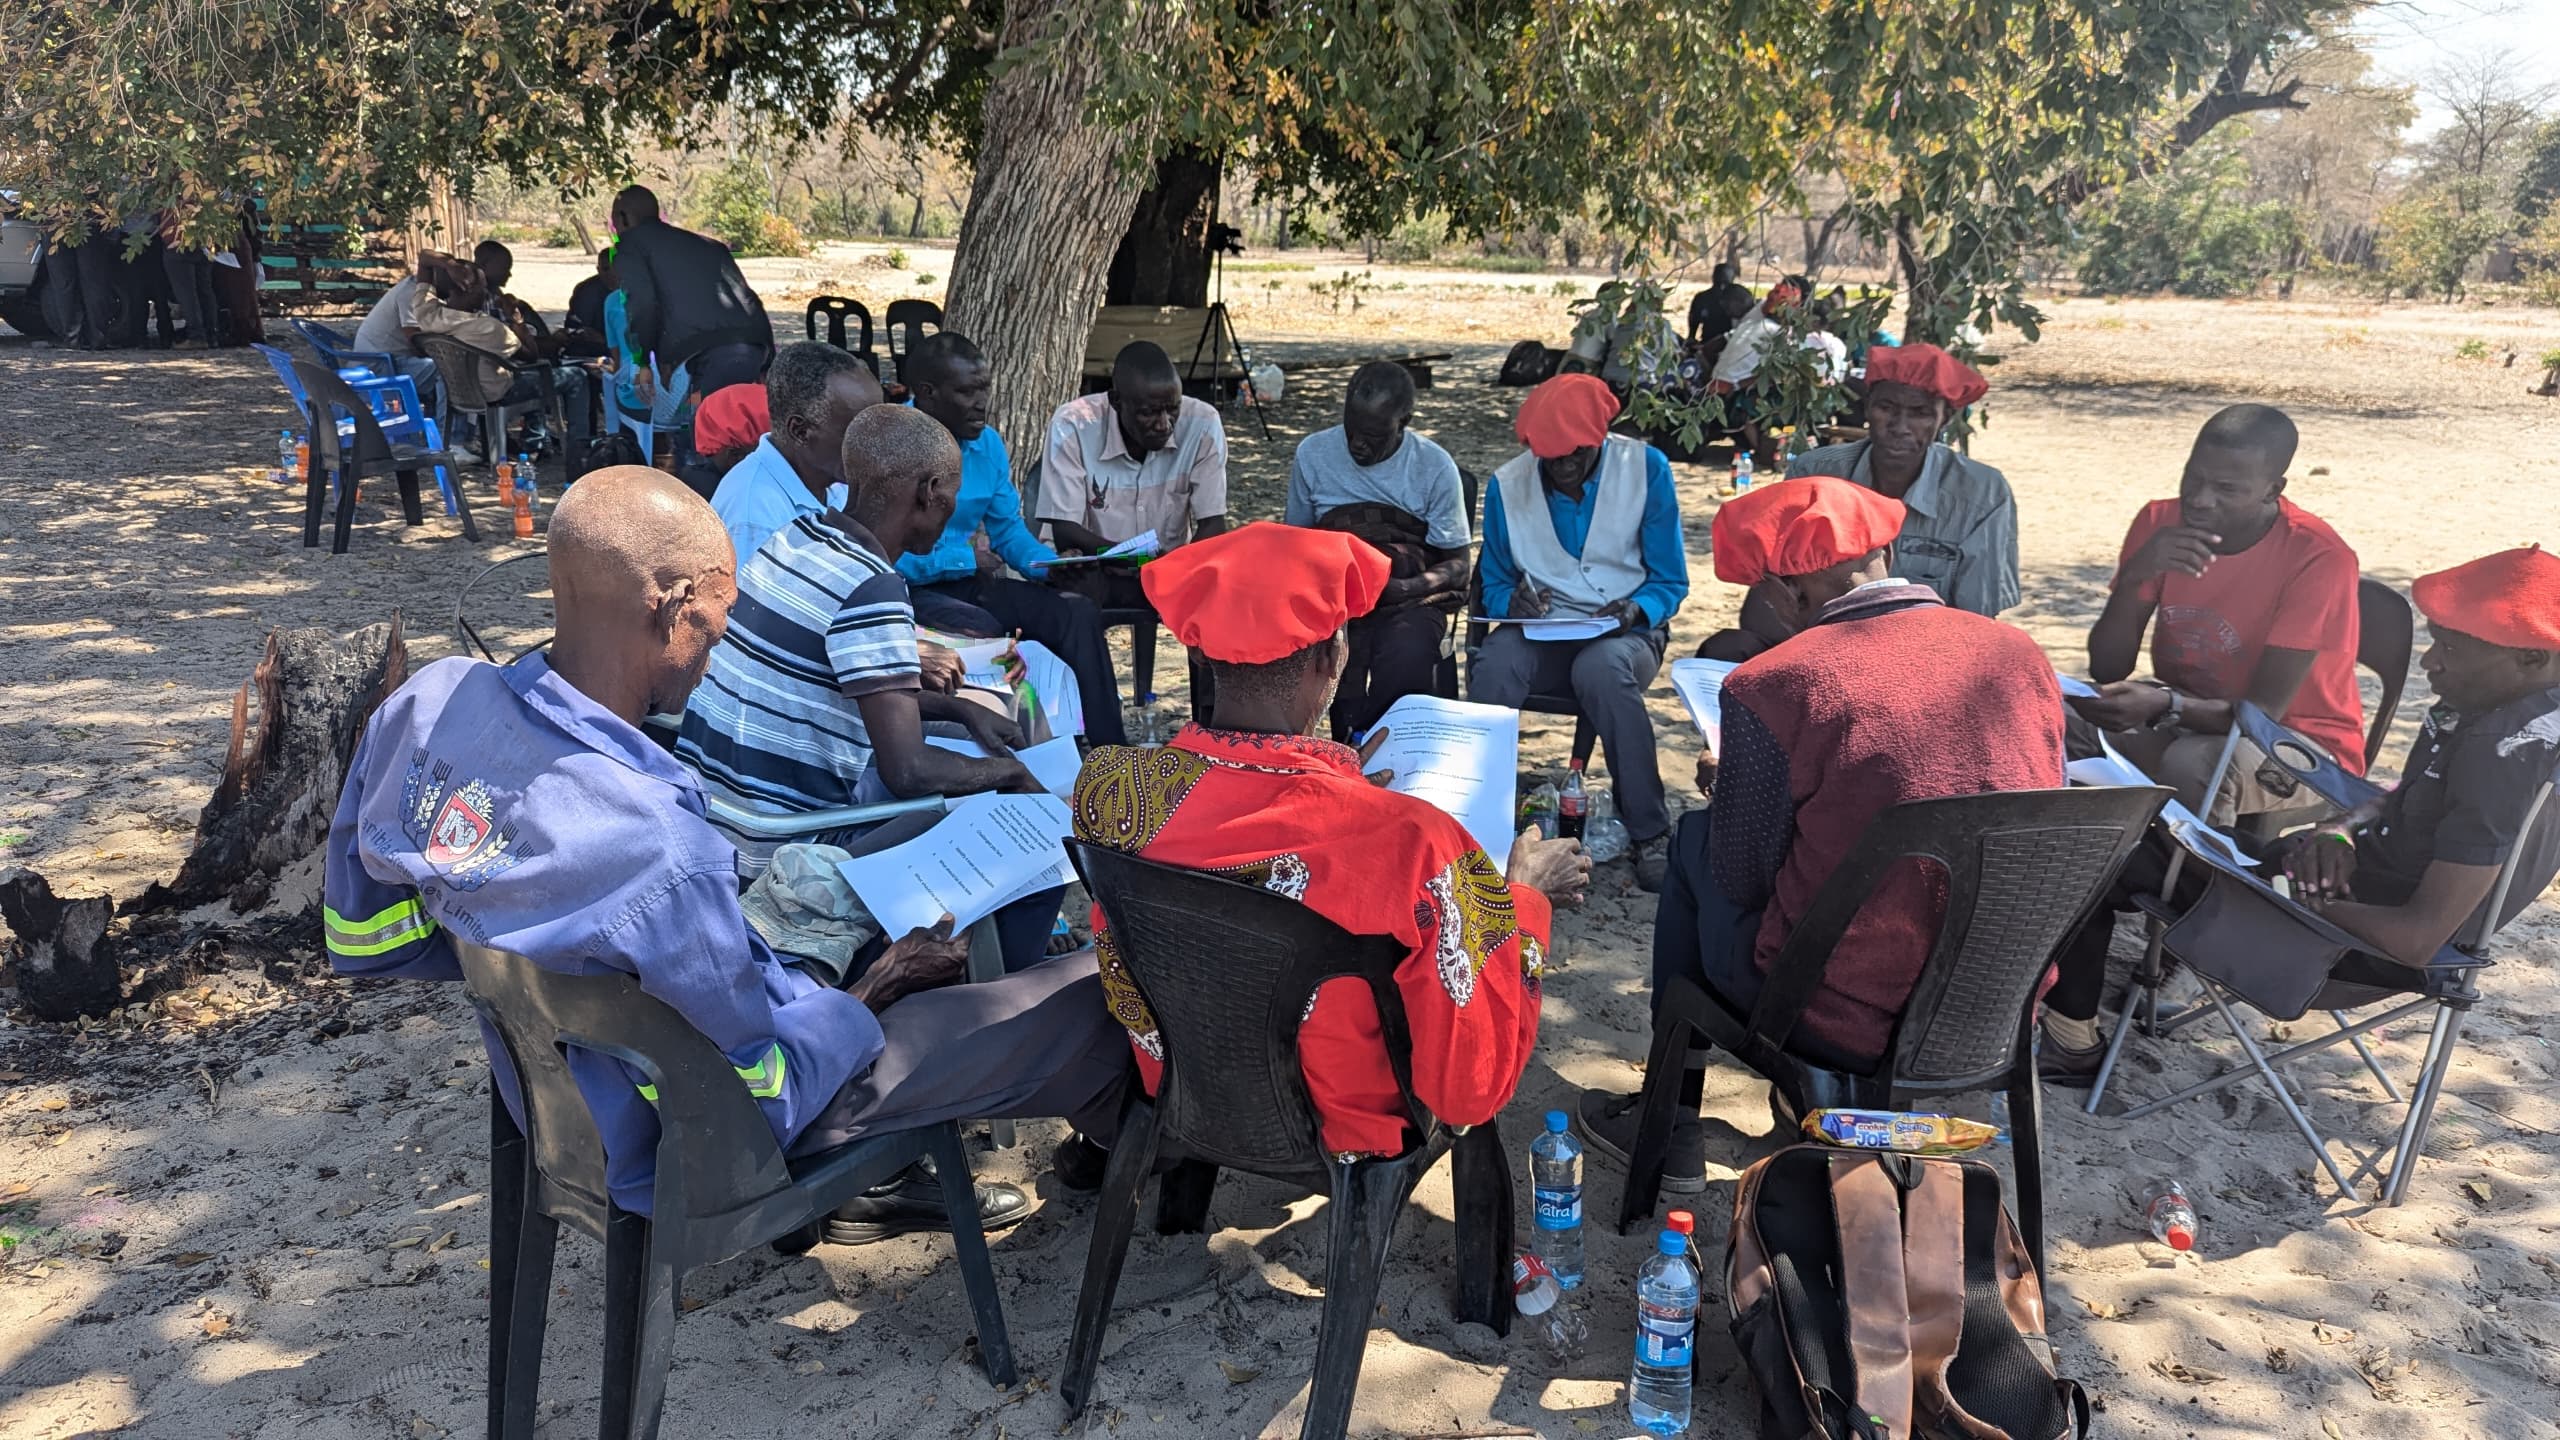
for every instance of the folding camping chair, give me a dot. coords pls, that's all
(2245, 942)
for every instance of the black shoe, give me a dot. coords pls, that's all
(1078, 1164)
(1652, 858)
(1607, 1123)
(2070, 1068)
(913, 1202)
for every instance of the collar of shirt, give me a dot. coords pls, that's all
(1256, 750)
(1115, 444)
(595, 727)
(775, 472)
(1922, 497)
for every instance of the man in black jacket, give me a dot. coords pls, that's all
(686, 301)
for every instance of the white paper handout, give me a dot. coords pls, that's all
(2185, 826)
(988, 851)
(1135, 546)
(1053, 685)
(1700, 684)
(1460, 757)
(1551, 628)
(1055, 762)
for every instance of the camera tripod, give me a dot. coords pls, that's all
(1218, 337)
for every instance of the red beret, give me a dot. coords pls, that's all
(2510, 598)
(1796, 527)
(1928, 368)
(1566, 413)
(734, 417)
(1256, 594)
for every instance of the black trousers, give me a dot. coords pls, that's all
(1067, 623)
(99, 264)
(190, 274)
(1394, 653)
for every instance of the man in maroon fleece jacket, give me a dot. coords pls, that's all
(1883, 694)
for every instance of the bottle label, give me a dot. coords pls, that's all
(1558, 1209)
(1663, 1338)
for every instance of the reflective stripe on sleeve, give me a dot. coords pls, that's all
(764, 1080)
(397, 925)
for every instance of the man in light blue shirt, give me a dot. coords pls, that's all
(814, 391)
(959, 587)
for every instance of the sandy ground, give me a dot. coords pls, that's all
(258, 1208)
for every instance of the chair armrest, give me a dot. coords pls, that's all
(2327, 779)
(756, 825)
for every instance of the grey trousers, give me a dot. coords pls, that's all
(1607, 677)
(1038, 1042)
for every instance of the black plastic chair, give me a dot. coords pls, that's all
(468, 397)
(723, 1185)
(2386, 636)
(905, 322)
(2023, 869)
(355, 454)
(1228, 969)
(835, 310)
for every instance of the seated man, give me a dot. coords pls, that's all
(1140, 456)
(1371, 477)
(391, 328)
(523, 807)
(1885, 694)
(956, 584)
(2408, 871)
(2256, 600)
(1586, 523)
(812, 394)
(459, 304)
(816, 697)
(1713, 310)
(582, 329)
(1261, 801)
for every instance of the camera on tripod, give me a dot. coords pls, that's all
(1226, 239)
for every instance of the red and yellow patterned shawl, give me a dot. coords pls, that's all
(1295, 815)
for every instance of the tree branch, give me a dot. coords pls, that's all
(894, 90)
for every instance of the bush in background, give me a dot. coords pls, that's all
(2189, 230)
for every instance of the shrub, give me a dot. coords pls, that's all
(1500, 264)
(2183, 231)
(736, 209)
(925, 279)
(2429, 239)
(559, 236)
(894, 258)
(1416, 239)
(2474, 348)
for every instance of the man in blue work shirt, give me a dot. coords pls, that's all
(956, 586)
(1586, 525)
(522, 808)
(813, 391)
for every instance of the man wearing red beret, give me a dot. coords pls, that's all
(1960, 537)
(2248, 596)
(1260, 800)
(1586, 524)
(1884, 693)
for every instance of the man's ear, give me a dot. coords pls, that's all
(671, 602)
(2277, 493)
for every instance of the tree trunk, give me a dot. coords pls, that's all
(915, 217)
(1165, 256)
(1047, 206)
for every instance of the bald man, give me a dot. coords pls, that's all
(522, 807)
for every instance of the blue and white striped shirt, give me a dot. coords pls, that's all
(822, 618)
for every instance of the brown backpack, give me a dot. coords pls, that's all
(1878, 1296)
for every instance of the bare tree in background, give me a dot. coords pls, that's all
(2494, 112)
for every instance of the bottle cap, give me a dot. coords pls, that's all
(1576, 766)
(1557, 1123)
(2179, 1237)
(1671, 1242)
(1681, 1222)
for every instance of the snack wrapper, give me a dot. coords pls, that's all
(1898, 1130)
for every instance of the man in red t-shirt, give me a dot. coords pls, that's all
(2255, 600)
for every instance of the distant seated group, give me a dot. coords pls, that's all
(524, 808)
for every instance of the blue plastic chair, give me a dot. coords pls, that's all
(337, 349)
(393, 399)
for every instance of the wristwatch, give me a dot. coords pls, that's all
(2167, 720)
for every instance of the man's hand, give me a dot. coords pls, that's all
(1630, 618)
(940, 666)
(920, 960)
(1404, 588)
(1368, 751)
(2123, 705)
(1528, 602)
(1707, 773)
(993, 732)
(1017, 777)
(989, 562)
(2321, 863)
(1556, 869)
(2182, 548)
(644, 382)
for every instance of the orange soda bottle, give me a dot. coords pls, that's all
(506, 482)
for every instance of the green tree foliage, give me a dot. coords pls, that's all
(2538, 180)
(2431, 235)
(2190, 229)
(736, 205)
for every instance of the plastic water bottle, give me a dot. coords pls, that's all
(1604, 836)
(1741, 471)
(1559, 1328)
(285, 471)
(1555, 1183)
(2172, 1216)
(1666, 1329)
(1540, 810)
(529, 480)
(1573, 805)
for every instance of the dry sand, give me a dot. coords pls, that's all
(259, 1208)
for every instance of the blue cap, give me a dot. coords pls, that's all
(1671, 1242)
(1557, 1124)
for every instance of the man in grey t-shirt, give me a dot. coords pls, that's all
(1401, 493)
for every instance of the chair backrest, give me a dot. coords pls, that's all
(2541, 817)
(2387, 634)
(905, 321)
(459, 366)
(283, 365)
(716, 1151)
(324, 396)
(1228, 970)
(328, 343)
(2022, 869)
(835, 310)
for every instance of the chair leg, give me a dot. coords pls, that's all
(2441, 1041)
(2133, 1002)
(969, 1240)
(2365, 1053)
(507, 1152)
(410, 510)
(2284, 1096)
(457, 501)
(986, 963)
(1654, 1117)
(1367, 1197)
(1142, 662)
(639, 1329)
(1115, 1215)
(1480, 1174)
(315, 500)
(1182, 1198)
(347, 485)
(2026, 1139)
